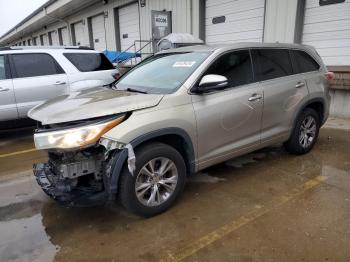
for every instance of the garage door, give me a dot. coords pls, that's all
(44, 40)
(234, 21)
(53, 38)
(79, 33)
(98, 32)
(63, 34)
(327, 28)
(128, 25)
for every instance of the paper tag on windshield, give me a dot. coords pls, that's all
(184, 63)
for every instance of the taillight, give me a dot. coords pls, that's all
(329, 76)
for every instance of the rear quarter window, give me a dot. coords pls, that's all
(303, 62)
(88, 62)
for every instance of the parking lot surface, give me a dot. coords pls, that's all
(264, 206)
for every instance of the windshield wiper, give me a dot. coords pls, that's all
(136, 90)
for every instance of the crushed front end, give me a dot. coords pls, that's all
(79, 166)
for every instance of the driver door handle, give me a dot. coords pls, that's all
(254, 97)
(3, 89)
(299, 84)
(60, 83)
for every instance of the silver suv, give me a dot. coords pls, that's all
(174, 114)
(32, 75)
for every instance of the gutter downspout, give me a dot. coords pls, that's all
(64, 21)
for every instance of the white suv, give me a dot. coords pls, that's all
(29, 76)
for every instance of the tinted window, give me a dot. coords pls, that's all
(271, 63)
(29, 65)
(303, 62)
(2, 68)
(87, 62)
(236, 66)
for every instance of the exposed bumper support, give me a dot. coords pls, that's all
(62, 191)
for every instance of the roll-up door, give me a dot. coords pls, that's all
(98, 32)
(79, 34)
(53, 38)
(229, 21)
(327, 27)
(128, 25)
(44, 40)
(63, 36)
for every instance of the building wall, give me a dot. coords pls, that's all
(184, 18)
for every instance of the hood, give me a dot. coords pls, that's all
(91, 103)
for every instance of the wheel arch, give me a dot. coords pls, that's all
(318, 104)
(176, 137)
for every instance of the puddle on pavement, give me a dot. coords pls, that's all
(37, 229)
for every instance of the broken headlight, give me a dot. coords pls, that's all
(74, 137)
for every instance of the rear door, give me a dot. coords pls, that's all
(284, 91)
(37, 77)
(8, 109)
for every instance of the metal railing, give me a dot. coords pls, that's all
(134, 59)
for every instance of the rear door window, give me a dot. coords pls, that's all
(303, 62)
(235, 66)
(271, 63)
(87, 62)
(34, 64)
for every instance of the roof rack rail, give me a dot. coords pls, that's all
(79, 47)
(44, 47)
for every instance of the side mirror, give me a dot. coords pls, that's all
(211, 82)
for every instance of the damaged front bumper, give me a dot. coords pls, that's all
(64, 192)
(86, 177)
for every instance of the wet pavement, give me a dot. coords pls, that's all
(264, 206)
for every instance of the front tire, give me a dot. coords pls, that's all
(158, 180)
(305, 133)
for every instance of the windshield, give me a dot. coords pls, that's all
(162, 74)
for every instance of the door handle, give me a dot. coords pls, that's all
(4, 89)
(60, 83)
(300, 84)
(254, 97)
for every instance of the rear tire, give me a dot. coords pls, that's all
(305, 133)
(158, 180)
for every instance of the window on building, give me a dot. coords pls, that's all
(30, 65)
(235, 66)
(330, 2)
(303, 62)
(87, 62)
(271, 63)
(2, 67)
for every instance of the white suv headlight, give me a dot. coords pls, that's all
(74, 137)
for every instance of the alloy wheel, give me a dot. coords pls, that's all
(156, 181)
(307, 131)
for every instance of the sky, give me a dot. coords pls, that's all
(14, 11)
